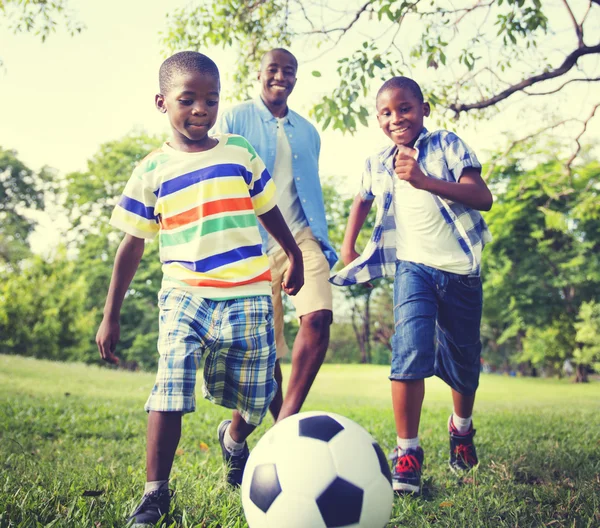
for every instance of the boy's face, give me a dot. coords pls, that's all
(277, 76)
(192, 104)
(400, 115)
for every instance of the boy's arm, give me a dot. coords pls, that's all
(470, 190)
(127, 261)
(274, 223)
(356, 219)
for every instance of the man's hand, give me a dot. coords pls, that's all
(407, 168)
(107, 339)
(294, 277)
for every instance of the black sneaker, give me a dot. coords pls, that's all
(153, 507)
(406, 470)
(235, 463)
(463, 455)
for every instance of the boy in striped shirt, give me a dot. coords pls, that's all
(202, 195)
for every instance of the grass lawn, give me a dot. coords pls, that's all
(72, 446)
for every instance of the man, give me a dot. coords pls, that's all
(289, 145)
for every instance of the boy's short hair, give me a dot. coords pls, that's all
(185, 61)
(401, 82)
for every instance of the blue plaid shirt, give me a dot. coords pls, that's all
(440, 154)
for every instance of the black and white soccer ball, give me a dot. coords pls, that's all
(317, 470)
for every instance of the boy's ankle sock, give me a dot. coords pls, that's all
(155, 485)
(462, 425)
(231, 445)
(407, 443)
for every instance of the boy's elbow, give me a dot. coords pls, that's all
(487, 200)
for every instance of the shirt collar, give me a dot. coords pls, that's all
(389, 152)
(266, 114)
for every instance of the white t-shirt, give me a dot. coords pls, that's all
(287, 195)
(422, 234)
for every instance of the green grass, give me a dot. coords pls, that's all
(72, 446)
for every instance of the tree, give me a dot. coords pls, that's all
(89, 198)
(358, 296)
(588, 339)
(481, 55)
(43, 312)
(544, 262)
(21, 189)
(40, 17)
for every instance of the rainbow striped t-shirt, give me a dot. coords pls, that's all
(204, 207)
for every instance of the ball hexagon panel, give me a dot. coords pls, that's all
(304, 465)
(341, 503)
(354, 458)
(264, 487)
(292, 511)
(322, 427)
(377, 506)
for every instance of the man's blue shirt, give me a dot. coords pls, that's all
(253, 120)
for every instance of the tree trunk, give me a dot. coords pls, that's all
(581, 375)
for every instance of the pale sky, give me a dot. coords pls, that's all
(65, 97)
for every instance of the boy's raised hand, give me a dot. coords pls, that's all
(107, 339)
(407, 168)
(294, 277)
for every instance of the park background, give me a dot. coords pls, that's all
(517, 79)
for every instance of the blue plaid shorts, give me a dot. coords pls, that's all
(237, 339)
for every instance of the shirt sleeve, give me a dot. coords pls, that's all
(261, 186)
(459, 156)
(366, 185)
(134, 214)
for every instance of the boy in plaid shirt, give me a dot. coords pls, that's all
(203, 196)
(428, 234)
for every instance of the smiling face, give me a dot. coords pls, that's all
(400, 114)
(278, 77)
(192, 104)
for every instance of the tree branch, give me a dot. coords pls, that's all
(595, 79)
(493, 164)
(578, 29)
(583, 130)
(468, 10)
(344, 30)
(567, 64)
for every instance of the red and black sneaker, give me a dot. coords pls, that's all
(463, 455)
(406, 470)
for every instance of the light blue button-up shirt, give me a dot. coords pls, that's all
(253, 120)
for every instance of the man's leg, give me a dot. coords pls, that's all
(278, 264)
(277, 402)
(308, 354)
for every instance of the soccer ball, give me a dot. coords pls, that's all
(317, 470)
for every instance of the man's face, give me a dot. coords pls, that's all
(277, 76)
(400, 115)
(192, 104)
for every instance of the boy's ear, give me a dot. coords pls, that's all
(159, 101)
(426, 109)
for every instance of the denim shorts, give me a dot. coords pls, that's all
(236, 339)
(437, 316)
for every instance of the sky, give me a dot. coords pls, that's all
(65, 97)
